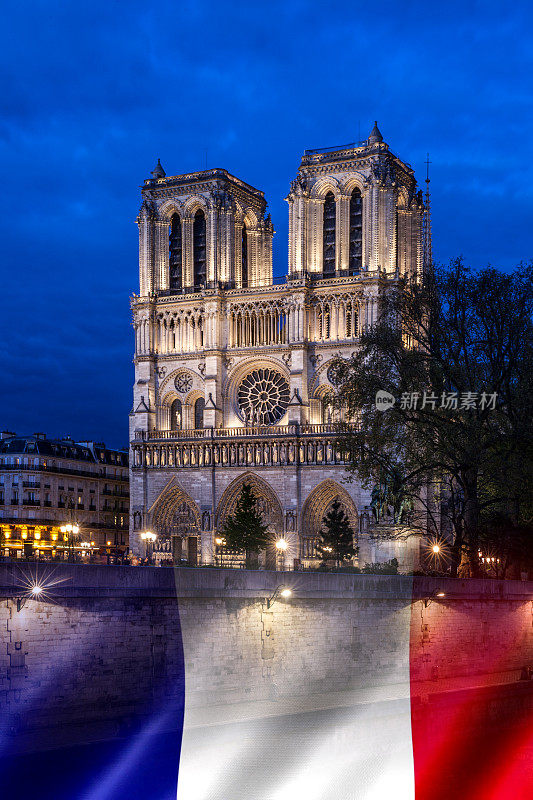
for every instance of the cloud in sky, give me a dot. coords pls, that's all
(94, 93)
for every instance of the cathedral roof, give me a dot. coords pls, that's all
(375, 135)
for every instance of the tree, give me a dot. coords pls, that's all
(244, 530)
(455, 351)
(336, 535)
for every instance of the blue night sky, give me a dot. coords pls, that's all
(94, 92)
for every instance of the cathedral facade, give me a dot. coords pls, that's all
(232, 366)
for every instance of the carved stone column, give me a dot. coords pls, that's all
(161, 254)
(146, 252)
(187, 257)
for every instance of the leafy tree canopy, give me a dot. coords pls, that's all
(455, 351)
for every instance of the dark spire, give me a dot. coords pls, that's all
(159, 172)
(427, 220)
(375, 135)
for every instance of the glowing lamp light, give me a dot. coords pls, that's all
(440, 594)
(63, 529)
(108, 544)
(36, 590)
(37, 535)
(219, 541)
(7, 534)
(148, 536)
(54, 537)
(281, 591)
(24, 535)
(436, 549)
(75, 529)
(281, 544)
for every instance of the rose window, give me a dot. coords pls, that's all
(263, 397)
(183, 382)
(333, 376)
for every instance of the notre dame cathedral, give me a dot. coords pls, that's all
(232, 366)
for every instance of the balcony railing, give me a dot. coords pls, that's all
(237, 433)
(99, 472)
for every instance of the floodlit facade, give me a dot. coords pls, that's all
(232, 366)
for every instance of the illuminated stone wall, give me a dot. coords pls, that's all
(104, 649)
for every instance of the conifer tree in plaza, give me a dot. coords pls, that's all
(244, 529)
(336, 535)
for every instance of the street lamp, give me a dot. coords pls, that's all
(281, 547)
(71, 532)
(438, 593)
(149, 538)
(219, 544)
(281, 591)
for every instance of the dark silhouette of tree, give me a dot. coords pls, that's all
(456, 336)
(336, 536)
(244, 529)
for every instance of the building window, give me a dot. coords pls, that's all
(244, 272)
(175, 415)
(199, 248)
(328, 235)
(175, 253)
(356, 233)
(199, 413)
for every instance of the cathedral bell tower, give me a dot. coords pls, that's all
(354, 209)
(202, 230)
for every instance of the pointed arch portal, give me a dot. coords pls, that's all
(315, 508)
(175, 518)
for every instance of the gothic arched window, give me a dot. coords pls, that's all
(175, 253)
(199, 413)
(326, 322)
(355, 263)
(175, 415)
(199, 248)
(244, 271)
(328, 235)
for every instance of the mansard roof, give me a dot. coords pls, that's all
(38, 444)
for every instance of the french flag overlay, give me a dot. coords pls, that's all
(443, 716)
(354, 687)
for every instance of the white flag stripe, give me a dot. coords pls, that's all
(351, 744)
